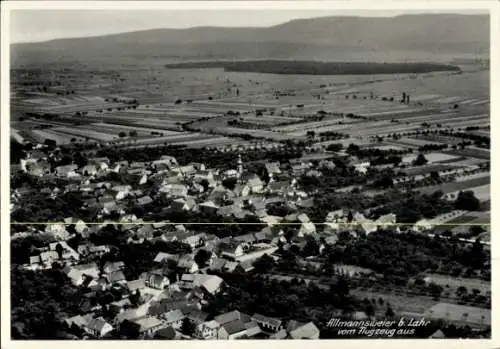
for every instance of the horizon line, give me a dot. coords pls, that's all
(388, 16)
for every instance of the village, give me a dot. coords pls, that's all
(165, 297)
(229, 189)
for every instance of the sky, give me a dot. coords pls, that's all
(43, 25)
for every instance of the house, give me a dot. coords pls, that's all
(136, 285)
(245, 266)
(89, 170)
(282, 334)
(208, 207)
(365, 224)
(437, 335)
(221, 196)
(79, 273)
(303, 218)
(67, 171)
(195, 315)
(58, 231)
(68, 254)
(232, 330)
(111, 267)
(48, 257)
(102, 163)
(232, 250)
(188, 264)
(146, 231)
(234, 210)
(386, 220)
(232, 316)
(145, 200)
(247, 239)
(254, 331)
(163, 257)
(306, 229)
(173, 318)
(120, 306)
(147, 326)
(209, 283)
(183, 204)
(267, 323)
(207, 330)
(218, 264)
(278, 187)
(97, 251)
(195, 241)
(166, 333)
(272, 168)
(299, 330)
(361, 167)
(116, 277)
(166, 163)
(158, 282)
(174, 190)
(35, 263)
(122, 191)
(230, 267)
(255, 185)
(131, 314)
(241, 190)
(78, 321)
(98, 327)
(299, 169)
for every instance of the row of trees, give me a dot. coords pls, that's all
(407, 255)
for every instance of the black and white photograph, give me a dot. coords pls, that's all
(237, 173)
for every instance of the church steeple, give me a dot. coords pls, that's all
(240, 166)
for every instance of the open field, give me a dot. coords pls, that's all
(458, 186)
(455, 282)
(421, 170)
(431, 157)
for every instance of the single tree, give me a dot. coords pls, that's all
(188, 327)
(420, 160)
(202, 257)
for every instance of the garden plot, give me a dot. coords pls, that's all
(15, 134)
(396, 113)
(415, 142)
(442, 117)
(367, 130)
(422, 170)
(457, 186)
(345, 142)
(431, 157)
(469, 123)
(483, 192)
(60, 138)
(41, 101)
(111, 128)
(423, 98)
(385, 147)
(480, 102)
(333, 128)
(455, 282)
(448, 100)
(313, 125)
(100, 136)
(468, 162)
(463, 118)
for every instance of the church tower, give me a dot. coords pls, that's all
(240, 166)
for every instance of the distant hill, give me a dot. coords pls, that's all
(436, 37)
